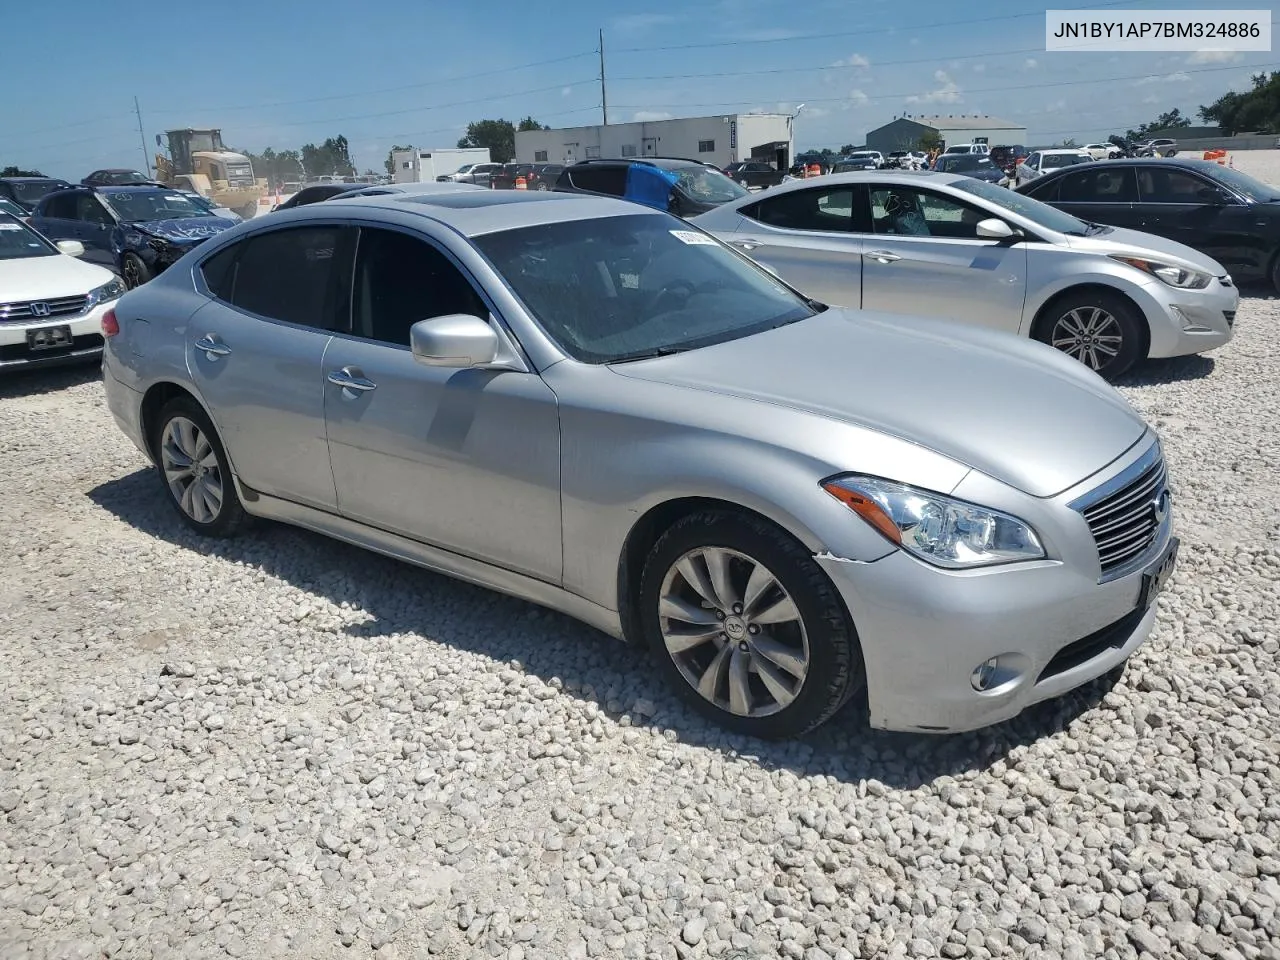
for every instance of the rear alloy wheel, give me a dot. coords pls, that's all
(542, 186)
(747, 627)
(193, 468)
(1097, 328)
(133, 271)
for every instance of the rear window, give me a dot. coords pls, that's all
(608, 179)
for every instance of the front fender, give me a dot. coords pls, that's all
(1066, 276)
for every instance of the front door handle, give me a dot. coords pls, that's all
(213, 347)
(745, 244)
(349, 378)
(883, 256)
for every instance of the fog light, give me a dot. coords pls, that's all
(1189, 325)
(985, 674)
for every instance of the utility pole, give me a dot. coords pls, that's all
(146, 157)
(604, 100)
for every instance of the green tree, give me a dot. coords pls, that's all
(12, 171)
(1166, 121)
(929, 141)
(528, 123)
(847, 149)
(498, 135)
(1257, 109)
(331, 158)
(389, 163)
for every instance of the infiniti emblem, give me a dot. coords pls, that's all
(1161, 506)
(39, 309)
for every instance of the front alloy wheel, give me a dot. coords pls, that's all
(733, 632)
(1090, 334)
(191, 470)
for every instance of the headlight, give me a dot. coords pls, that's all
(107, 292)
(938, 529)
(1174, 276)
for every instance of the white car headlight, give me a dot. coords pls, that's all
(1173, 275)
(936, 528)
(113, 290)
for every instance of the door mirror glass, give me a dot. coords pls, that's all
(993, 229)
(456, 340)
(72, 248)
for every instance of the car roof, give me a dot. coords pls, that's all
(30, 179)
(478, 212)
(1186, 163)
(123, 188)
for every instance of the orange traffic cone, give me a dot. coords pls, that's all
(522, 183)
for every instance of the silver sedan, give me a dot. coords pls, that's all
(953, 247)
(597, 407)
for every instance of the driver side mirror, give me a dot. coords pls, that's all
(457, 340)
(993, 228)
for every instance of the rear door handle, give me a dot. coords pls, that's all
(883, 256)
(212, 346)
(349, 378)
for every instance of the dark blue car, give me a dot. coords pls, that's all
(135, 230)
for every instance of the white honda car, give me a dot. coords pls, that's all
(51, 304)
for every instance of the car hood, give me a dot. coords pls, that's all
(47, 278)
(1118, 240)
(184, 229)
(1013, 409)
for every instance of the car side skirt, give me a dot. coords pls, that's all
(431, 558)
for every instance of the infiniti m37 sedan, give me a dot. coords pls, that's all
(596, 407)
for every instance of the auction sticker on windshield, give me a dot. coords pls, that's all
(693, 238)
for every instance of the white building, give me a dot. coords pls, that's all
(413, 165)
(720, 140)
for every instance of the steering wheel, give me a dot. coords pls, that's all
(683, 289)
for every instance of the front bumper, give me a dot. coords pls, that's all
(86, 344)
(1184, 322)
(1052, 624)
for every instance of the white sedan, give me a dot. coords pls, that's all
(51, 304)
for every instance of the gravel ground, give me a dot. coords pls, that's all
(285, 747)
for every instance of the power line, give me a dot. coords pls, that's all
(922, 93)
(871, 33)
(372, 93)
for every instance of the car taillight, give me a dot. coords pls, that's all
(110, 325)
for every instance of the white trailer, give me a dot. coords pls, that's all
(416, 165)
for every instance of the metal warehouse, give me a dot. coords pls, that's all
(720, 140)
(905, 133)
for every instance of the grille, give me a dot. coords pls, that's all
(58, 307)
(1096, 644)
(1231, 317)
(1126, 522)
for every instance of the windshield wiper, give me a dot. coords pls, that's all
(649, 354)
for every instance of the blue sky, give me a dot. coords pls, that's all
(294, 71)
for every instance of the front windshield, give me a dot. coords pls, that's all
(202, 202)
(1052, 161)
(8, 206)
(639, 285)
(709, 186)
(1242, 183)
(142, 206)
(1040, 213)
(465, 168)
(29, 191)
(967, 161)
(19, 242)
(123, 176)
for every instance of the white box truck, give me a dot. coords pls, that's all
(423, 166)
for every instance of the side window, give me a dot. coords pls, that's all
(218, 271)
(1044, 192)
(400, 280)
(60, 207)
(829, 209)
(89, 208)
(1167, 185)
(1105, 185)
(1033, 161)
(907, 211)
(292, 275)
(600, 178)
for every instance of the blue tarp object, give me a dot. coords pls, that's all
(649, 185)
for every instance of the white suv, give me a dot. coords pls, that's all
(981, 148)
(1042, 161)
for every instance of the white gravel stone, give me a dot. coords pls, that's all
(207, 747)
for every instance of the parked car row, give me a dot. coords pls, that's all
(789, 503)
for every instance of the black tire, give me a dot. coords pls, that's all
(1275, 272)
(543, 186)
(1171, 152)
(1052, 327)
(134, 271)
(835, 671)
(230, 517)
